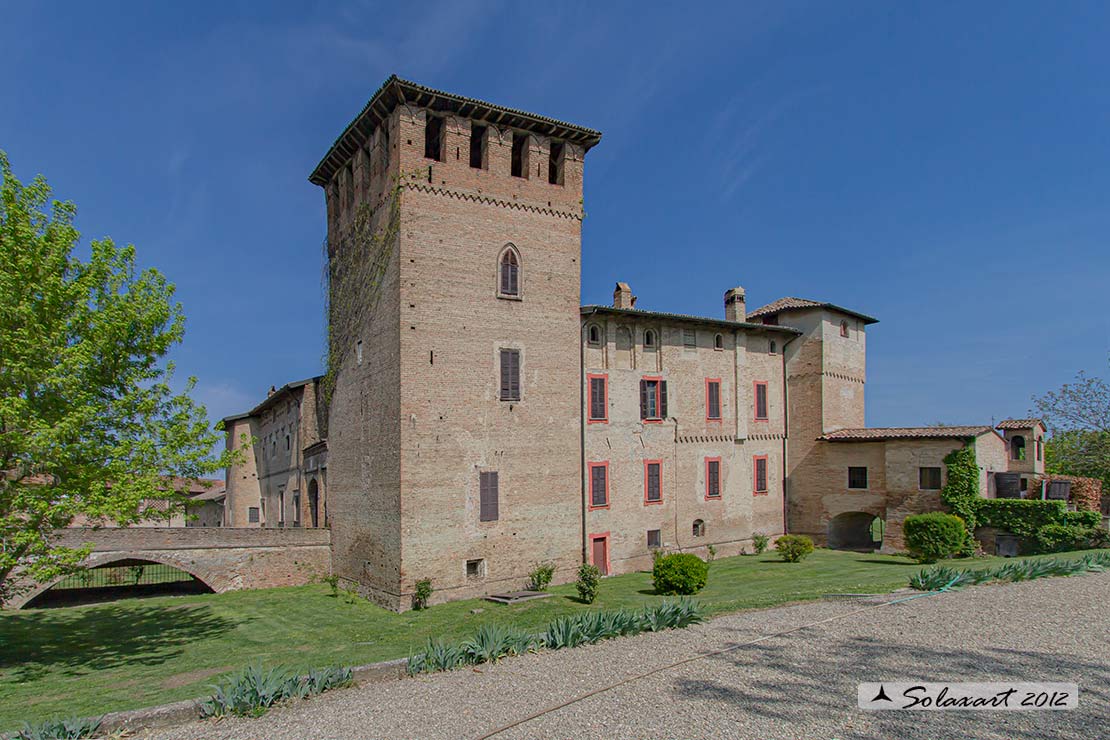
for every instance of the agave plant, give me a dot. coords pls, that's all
(319, 680)
(254, 690)
(563, 632)
(73, 728)
(489, 644)
(934, 579)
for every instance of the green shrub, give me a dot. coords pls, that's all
(540, 577)
(422, 593)
(333, 584)
(760, 542)
(589, 582)
(1064, 537)
(73, 728)
(934, 536)
(679, 573)
(794, 548)
(1087, 519)
(254, 690)
(1022, 517)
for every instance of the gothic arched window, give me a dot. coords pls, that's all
(508, 283)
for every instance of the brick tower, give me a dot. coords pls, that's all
(454, 252)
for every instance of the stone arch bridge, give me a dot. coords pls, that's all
(224, 558)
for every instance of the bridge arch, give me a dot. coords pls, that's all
(209, 580)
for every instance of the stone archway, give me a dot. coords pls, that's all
(205, 582)
(314, 502)
(855, 530)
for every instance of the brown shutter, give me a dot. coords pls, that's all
(487, 497)
(663, 399)
(643, 399)
(510, 375)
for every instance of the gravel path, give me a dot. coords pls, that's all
(795, 687)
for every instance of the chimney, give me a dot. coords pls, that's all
(735, 307)
(622, 297)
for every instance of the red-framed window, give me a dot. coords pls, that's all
(653, 482)
(653, 399)
(598, 412)
(599, 485)
(759, 400)
(712, 478)
(712, 399)
(759, 475)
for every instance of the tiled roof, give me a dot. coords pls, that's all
(1019, 423)
(395, 90)
(789, 303)
(586, 310)
(881, 433)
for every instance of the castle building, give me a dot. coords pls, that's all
(477, 420)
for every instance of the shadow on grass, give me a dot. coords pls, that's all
(102, 638)
(876, 561)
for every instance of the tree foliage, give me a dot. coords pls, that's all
(1078, 419)
(89, 423)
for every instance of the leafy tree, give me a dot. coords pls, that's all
(1078, 419)
(89, 425)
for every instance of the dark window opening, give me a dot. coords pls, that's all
(555, 164)
(510, 375)
(252, 515)
(474, 568)
(713, 399)
(843, 328)
(599, 490)
(857, 477)
(649, 338)
(713, 479)
(487, 497)
(433, 139)
(653, 490)
(510, 274)
(520, 155)
(760, 400)
(699, 528)
(1040, 449)
(718, 342)
(598, 399)
(654, 539)
(1058, 490)
(477, 146)
(593, 335)
(1017, 448)
(772, 347)
(928, 479)
(761, 475)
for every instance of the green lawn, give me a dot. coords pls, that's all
(89, 660)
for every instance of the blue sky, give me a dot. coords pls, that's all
(944, 167)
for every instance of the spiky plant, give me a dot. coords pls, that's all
(73, 728)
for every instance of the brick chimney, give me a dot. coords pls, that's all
(622, 296)
(735, 307)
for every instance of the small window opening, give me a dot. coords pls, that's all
(772, 348)
(689, 339)
(477, 146)
(649, 338)
(699, 528)
(718, 342)
(654, 539)
(510, 274)
(520, 154)
(358, 352)
(474, 568)
(593, 335)
(555, 164)
(857, 477)
(843, 328)
(433, 139)
(1017, 448)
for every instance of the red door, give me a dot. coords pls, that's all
(601, 554)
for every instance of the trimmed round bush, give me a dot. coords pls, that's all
(794, 548)
(679, 573)
(933, 536)
(588, 583)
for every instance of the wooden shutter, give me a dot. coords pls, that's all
(643, 399)
(487, 497)
(1059, 490)
(597, 398)
(714, 400)
(598, 496)
(654, 492)
(510, 375)
(714, 482)
(761, 401)
(663, 399)
(1007, 485)
(761, 474)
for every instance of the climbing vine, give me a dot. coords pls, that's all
(355, 268)
(961, 491)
